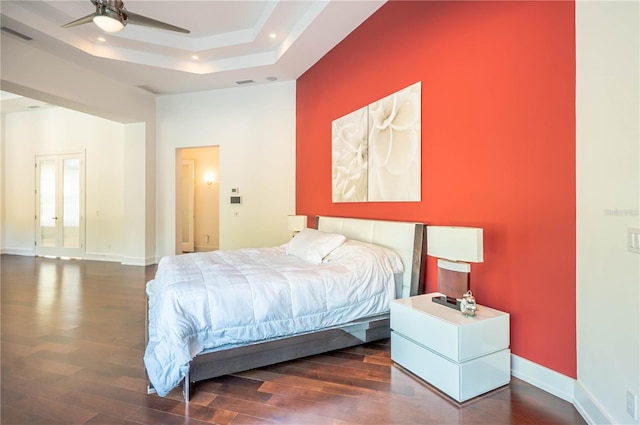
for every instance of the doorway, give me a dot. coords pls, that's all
(60, 205)
(197, 199)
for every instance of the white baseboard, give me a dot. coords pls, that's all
(26, 252)
(589, 407)
(95, 256)
(562, 386)
(546, 379)
(138, 261)
(205, 248)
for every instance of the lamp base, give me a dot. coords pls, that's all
(447, 302)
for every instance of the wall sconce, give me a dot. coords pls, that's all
(208, 178)
(454, 246)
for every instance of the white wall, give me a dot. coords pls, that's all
(255, 129)
(59, 131)
(138, 180)
(28, 71)
(608, 200)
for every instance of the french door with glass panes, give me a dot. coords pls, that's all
(60, 205)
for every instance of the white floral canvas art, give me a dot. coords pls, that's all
(376, 150)
(349, 157)
(394, 146)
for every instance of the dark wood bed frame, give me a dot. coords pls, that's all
(406, 238)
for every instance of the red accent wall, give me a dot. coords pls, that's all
(498, 146)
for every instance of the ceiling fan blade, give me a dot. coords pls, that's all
(85, 20)
(133, 18)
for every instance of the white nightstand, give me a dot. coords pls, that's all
(462, 356)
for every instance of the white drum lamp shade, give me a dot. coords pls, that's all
(455, 243)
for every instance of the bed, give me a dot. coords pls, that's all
(279, 320)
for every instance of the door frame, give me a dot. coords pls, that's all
(188, 205)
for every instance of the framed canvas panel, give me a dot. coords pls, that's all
(394, 147)
(376, 150)
(349, 157)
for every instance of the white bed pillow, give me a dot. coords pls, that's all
(357, 248)
(313, 245)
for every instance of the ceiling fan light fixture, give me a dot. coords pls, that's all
(108, 20)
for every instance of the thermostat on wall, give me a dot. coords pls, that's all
(235, 200)
(235, 190)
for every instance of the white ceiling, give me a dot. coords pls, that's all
(231, 39)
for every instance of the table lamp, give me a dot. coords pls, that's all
(454, 247)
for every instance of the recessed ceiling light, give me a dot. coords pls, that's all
(194, 57)
(272, 35)
(102, 39)
(272, 78)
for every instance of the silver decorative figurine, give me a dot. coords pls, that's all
(468, 305)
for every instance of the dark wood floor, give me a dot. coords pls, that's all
(71, 353)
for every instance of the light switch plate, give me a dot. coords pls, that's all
(632, 405)
(633, 240)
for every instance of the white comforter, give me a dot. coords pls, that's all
(223, 298)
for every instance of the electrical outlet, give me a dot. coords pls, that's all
(632, 404)
(633, 240)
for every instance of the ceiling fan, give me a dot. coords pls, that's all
(111, 16)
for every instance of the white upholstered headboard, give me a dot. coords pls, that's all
(407, 239)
